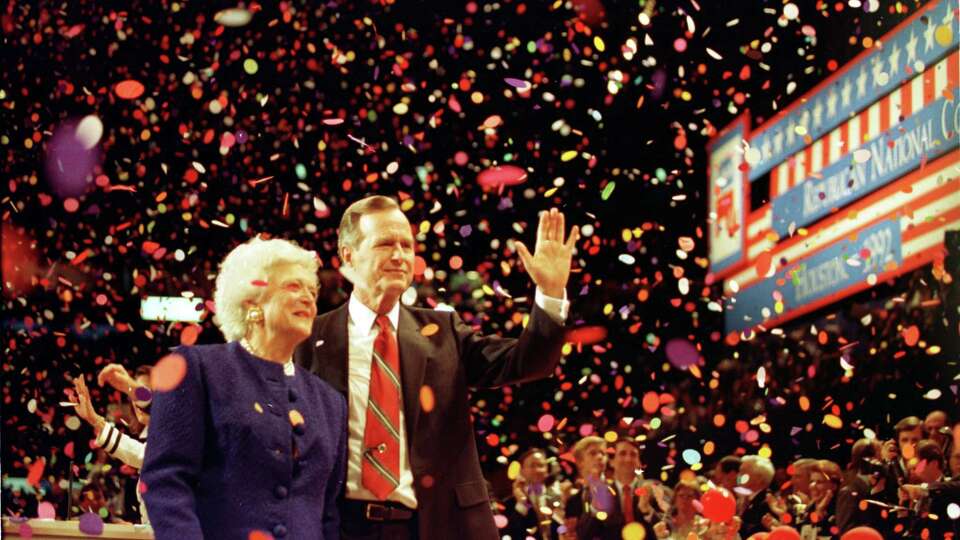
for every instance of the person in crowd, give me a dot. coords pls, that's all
(800, 470)
(818, 516)
(756, 475)
(954, 463)
(415, 472)
(936, 427)
(929, 493)
(117, 444)
(726, 471)
(592, 512)
(908, 431)
(684, 520)
(246, 442)
(637, 501)
(865, 479)
(535, 508)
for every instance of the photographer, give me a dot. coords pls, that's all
(928, 494)
(866, 477)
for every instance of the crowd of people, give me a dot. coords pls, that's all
(904, 487)
(901, 487)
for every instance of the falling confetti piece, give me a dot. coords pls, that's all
(233, 17)
(833, 421)
(89, 131)
(911, 335)
(129, 89)
(189, 334)
(296, 418)
(427, 399)
(429, 330)
(513, 470)
(505, 175)
(168, 373)
(681, 353)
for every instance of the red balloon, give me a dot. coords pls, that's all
(719, 505)
(784, 532)
(759, 536)
(862, 533)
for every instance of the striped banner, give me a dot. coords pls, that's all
(924, 204)
(923, 39)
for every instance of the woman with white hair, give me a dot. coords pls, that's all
(247, 443)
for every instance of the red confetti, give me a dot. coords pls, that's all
(129, 89)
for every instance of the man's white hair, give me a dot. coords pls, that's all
(244, 274)
(760, 467)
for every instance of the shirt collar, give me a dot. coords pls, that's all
(364, 317)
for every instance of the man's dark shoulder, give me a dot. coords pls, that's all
(428, 314)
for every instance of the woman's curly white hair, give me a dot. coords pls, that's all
(243, 274)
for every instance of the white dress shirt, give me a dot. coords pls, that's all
(361, 333)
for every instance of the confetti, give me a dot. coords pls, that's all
(167, 374)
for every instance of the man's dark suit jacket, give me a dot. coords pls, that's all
(752, 516)
(450, 487)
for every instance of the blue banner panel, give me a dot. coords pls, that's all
(926, 135)
(836, 268)
(726, 199)
(923, 41)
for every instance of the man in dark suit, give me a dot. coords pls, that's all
(756, 514)
(413, 469)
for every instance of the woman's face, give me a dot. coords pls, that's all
(291, 302)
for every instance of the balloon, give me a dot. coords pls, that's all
(759, 536)
(862, 533)
(784, 532)
(719, 505)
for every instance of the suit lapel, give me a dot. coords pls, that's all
(414, 354)
(331, 357)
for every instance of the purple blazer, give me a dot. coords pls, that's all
(225, 458)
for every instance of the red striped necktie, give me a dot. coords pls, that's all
(380, 472)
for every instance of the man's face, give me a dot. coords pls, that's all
(909, 438)
(626, 459)
(593, 462)
(955, 462)
(534, 468)
(382, 260)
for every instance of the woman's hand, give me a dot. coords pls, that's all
(661, 530)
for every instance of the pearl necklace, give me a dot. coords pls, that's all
(250, 349)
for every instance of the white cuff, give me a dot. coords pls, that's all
(556, 308)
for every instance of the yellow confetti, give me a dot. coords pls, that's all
(429, 330)
(833, 421)
(513, 471)
(568, 155)
(598, 43)
(257, 407)
(296, 418)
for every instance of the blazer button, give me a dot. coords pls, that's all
(293, 395)
(280, 492)
(279, 531)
